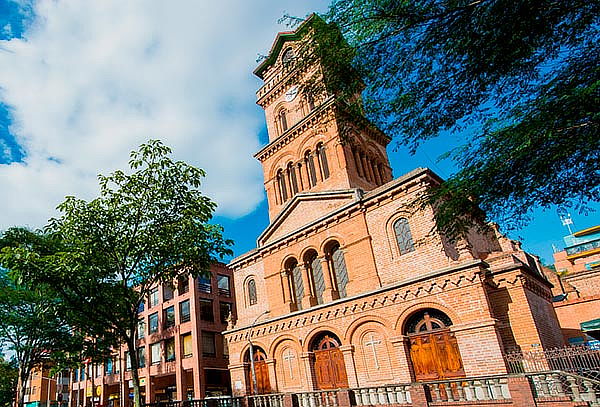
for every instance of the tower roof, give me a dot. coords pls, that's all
(282, 38)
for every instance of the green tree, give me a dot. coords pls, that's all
(516, 81)
(31, 326)
(8, 381)
(148, 227)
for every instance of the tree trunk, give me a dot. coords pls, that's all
(135, 377)
(21, 386)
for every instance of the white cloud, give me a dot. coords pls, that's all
(90, 81)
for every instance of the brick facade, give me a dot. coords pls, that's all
(177, 363)
(349, 255)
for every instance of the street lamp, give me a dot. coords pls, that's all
(252, 372)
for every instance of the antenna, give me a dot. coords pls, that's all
(565, 218)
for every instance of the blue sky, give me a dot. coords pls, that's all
(83, 83)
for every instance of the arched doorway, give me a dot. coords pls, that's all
(434, 350)
(261, 372)
(330, 369)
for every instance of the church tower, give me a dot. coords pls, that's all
(308, 152)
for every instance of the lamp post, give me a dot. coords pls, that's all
(252, 372)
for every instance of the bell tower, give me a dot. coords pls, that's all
(307, 152)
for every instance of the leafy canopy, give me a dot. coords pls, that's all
(518, 79)
(147, 227)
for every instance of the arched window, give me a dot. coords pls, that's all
(374, 172)
(294, 273)
(283, 195)
(283, 124)
(357, 162)
(310, 101)
(322, 161)
(380, 172)
(291, 173)
(252, 298)
(310, 168)
(288, 56)
(427, 320)
(337, 266)
(313, 264)
(403, 236)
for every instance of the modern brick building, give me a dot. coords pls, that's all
(351, 285)
(181, 347)
(577, 285)
(43, 389)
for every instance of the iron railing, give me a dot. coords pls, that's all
(580, 360)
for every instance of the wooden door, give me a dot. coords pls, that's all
(435, 356)
(261, 371)
(330, 369)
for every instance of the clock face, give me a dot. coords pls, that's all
(291, 93)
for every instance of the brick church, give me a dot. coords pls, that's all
(351, 286)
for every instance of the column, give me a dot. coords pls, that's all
(301, 184)
(179, 372)
(348, 352)
(309, 299)
(149, 387)
(272, 375)
(401, 368)
(306, 361)
(329, 294)
(285, 285)
(365, 167)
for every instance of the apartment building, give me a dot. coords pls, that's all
(45, 389)
(181, 349)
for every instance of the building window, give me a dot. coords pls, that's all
(153, 297)
(141, 307)
(108, 366)
(184, 311)
(127, 361)
(313, 262)
(186, 340)
(169, 316)
(283, 195)
(252, 299)
(204, 284)
(208, 344)
(170, 349)
(292, 180)
(310, 167)
(223, 284)
(283, 120)
(294, 275)
(288, 56)
(225, 311)
(310, 101)
(141, 329)
(337, 266)
(403, 236)
(155, 353)
(142, 357)
(322, 157)
(183, 285)
(167, 292)
(81, 373)
(153, 323)
(206, 310)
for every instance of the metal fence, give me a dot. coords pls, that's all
(580, 360)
